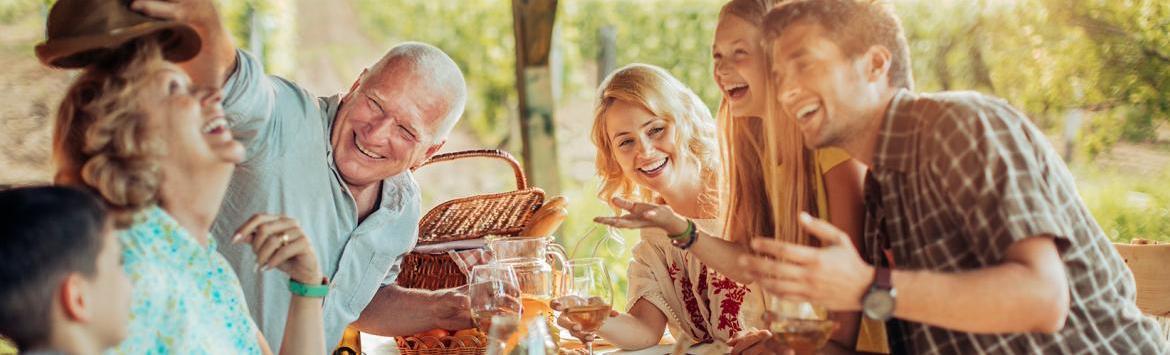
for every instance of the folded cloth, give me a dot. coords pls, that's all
(441, 248)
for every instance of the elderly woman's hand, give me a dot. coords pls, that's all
(645, 215)
(279, 242)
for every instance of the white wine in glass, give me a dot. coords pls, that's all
(589, 297)
(494, 292)
(798, 326)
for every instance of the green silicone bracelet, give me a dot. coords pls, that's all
(312, 291)
(686, 234)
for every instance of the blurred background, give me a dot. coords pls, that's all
(1094, 74)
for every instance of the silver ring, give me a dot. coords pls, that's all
(283, 239)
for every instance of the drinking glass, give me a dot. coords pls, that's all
(589, 297)
(493, 291)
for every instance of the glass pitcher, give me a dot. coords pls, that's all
(539, 265)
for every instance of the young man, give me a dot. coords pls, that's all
(63, 285)
(972, 217)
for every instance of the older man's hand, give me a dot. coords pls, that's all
(451, 310)
(200, 14)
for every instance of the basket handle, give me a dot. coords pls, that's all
(521, 181)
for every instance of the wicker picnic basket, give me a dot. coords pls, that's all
(505, 213)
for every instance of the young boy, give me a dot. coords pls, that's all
(62, 288)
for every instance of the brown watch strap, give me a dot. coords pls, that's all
(882, 278)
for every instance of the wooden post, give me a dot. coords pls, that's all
(255, 33)
(607, 56)
(533, 26)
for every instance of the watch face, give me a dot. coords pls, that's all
(878, 304)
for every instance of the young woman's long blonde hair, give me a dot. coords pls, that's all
(101, 139)
(655, 90)
(761, 199)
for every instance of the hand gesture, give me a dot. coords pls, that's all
(832, 275)
(279, 242)
(645, 215)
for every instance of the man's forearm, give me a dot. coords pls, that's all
(216, 60)
(397, 311)
(1005, 298)
(217, 57)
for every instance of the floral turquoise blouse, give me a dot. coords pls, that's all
(187, 299)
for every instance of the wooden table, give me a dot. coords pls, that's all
(377, 345)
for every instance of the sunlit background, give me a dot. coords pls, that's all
(1094, 74)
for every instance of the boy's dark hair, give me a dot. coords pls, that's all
(854, 25)
(45, 233)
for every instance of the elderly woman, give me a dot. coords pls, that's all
(134, 130)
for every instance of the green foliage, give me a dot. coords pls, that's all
(675, 35)
(478, 36)
(1127, 206)
(274, 19)
(16, 10)
(1109, 58)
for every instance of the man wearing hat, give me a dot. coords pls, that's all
(339, 164)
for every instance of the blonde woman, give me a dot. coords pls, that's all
(133, 129)
(656, 145)
(764, 199)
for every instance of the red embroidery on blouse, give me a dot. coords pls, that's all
(692, 304)
(732, 301)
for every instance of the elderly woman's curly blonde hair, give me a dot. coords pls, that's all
(101, 139)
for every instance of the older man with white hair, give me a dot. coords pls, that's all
(341, 166)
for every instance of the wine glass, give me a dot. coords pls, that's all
(799, 325)
(494, 291)
(589, 297)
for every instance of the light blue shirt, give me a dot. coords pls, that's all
(289, 170)
(186, 299)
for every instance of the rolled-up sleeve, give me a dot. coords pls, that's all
(260, 108)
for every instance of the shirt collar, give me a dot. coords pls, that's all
(896, 139)
(155, 216)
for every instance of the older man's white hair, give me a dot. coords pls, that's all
(441, 74)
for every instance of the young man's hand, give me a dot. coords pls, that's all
(833, 275)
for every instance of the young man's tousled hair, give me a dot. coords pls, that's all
(45, 234)
(854, 25)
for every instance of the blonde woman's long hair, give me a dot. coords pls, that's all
(655, 90)
(757, 195)
(101, 139)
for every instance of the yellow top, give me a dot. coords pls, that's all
(871, 334)
(826, 159)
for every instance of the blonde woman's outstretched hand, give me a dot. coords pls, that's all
(645, 215)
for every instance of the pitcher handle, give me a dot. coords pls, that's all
(558, 254)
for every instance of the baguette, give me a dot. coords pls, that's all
(544, 222)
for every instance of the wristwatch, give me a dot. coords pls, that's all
(878, 303)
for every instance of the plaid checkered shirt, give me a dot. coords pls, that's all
(956, 179)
